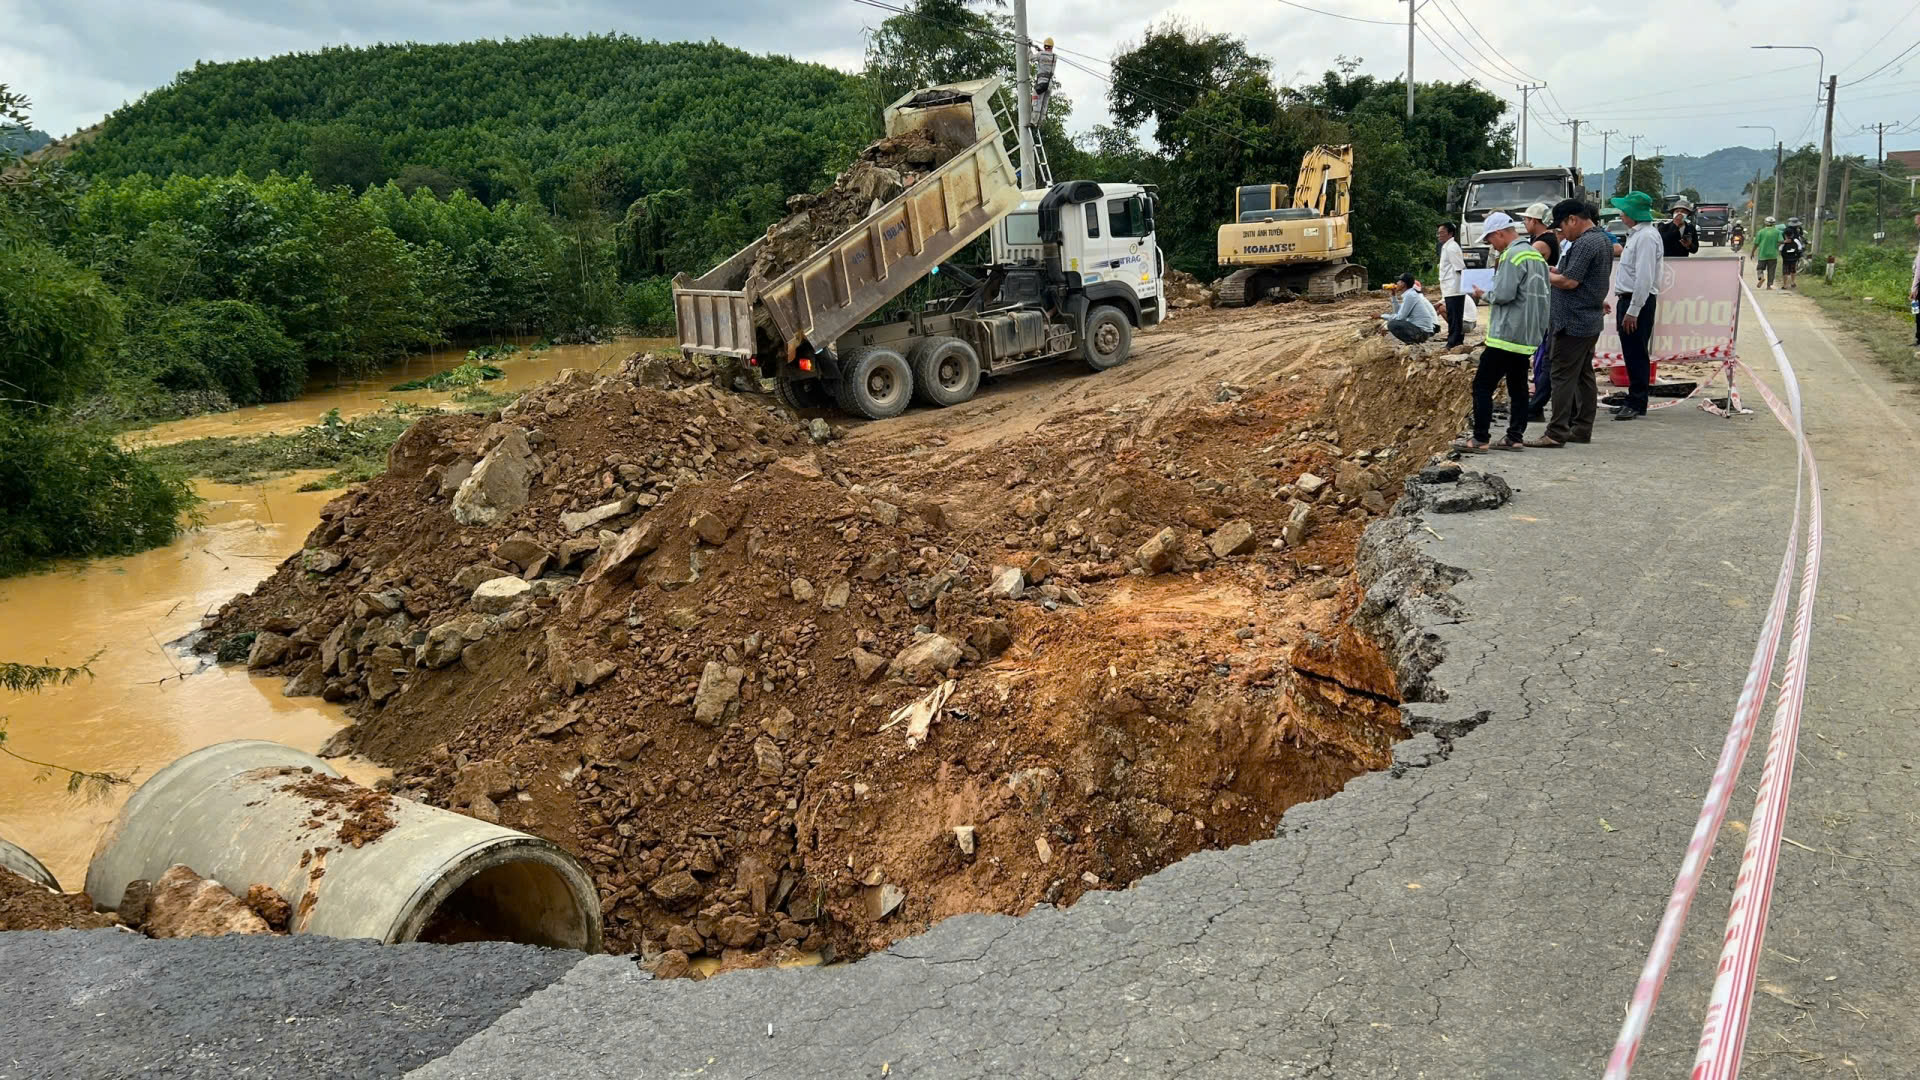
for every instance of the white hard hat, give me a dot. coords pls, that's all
(1539, 211)
(1497, 221)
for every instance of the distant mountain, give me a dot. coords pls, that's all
(20, 140)
(1720, 176)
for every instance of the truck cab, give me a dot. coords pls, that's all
(1109, 248)
(1511, 191)
(1714, 222)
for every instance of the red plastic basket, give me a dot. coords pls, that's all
(1617, 374)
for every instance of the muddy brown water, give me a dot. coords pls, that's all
(372, 393)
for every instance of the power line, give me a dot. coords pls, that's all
(1896, 25)
(1885, 66)
(1337, 15)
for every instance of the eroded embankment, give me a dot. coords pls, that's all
(669, 632)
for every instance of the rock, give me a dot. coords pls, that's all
(931, 657)
(719, 689)
(737, 931)
(796, 468)
(1008, 582)
(768, 759)
(1035, 788)
(1299, 523)
(991, 637)
(498, 595)
(487, 779)
(586, 519)
(272, 908)
(308, 683)
(879, 565)
(803, 590)
(338, 745)
(866, 666)
(1158, 555)
(881, 900)
(963, 836)
(1473, 491)
(1374, 502)
(676, 569)
(134, 901)
(681, 618)
(1233, 538)
(445, 641)
(838, 593)
(481, 808)
(473, 576)
(268, 649)
(321, 560)
(1440, 472)
(676, 889)
(673, 964)
(499, 484)
(185, 905)
(1354, 481)
(709, 527)
(819, 430)
(885, 512)
(780, 724)
(522, 550)
(1310, 485)
(571, 551)
(686, 939)
(1117, 495)
(385, 666)
(619, 562)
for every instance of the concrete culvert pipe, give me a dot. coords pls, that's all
(21, 861)
(353, 862)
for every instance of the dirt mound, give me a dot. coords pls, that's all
(784, 696)
(883, 170)
(27, 905)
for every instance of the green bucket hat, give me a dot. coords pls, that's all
(1637, 205)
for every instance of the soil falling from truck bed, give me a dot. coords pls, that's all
(883, 170)
(782, 696)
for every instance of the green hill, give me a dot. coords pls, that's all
(601, 119)
(1720, 176)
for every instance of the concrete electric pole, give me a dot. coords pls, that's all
(1879, 163)
(1633, 157)
(1023, 89)
(1575, 124)
(1605, 161)
(1412, 5)
(1826, 158)
(1524, 92)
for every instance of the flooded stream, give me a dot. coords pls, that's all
(373, 393)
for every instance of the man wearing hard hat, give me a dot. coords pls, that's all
(1043, 62)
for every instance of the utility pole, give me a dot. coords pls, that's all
(1576, 145)
(1633, 157)
(1840, 224)
(1605, 161)
(1524, 92)
(1879, 163)
(1412, 5)
(1826, 158)
(1778, 148)
(1023, 89)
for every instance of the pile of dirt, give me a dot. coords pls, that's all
(784, 696)
(28, 905)
(883, 170)
(361, 814)
(1183, 291)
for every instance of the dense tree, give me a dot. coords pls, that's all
(1648, 175)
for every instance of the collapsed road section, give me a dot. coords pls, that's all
(790, 696)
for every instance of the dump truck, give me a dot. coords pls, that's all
(1074, 270)
(1714, 222)
(1294, 238)
(1510, 191)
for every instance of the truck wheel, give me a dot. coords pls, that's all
(1107, 339)
(946, 371)
(799, 394)
(877, 383)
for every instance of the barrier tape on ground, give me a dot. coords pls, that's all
(1726, 1024)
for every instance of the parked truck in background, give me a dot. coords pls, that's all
(1075, 269)
(1512, 191)
(1713, 221)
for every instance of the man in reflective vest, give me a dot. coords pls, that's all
(1518, 301)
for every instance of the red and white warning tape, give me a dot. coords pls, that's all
(1722, 1037)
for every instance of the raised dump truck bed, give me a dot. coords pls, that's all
(845, 281)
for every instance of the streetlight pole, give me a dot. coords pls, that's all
(1768, 128)
(1824, 87)
(1412, 6)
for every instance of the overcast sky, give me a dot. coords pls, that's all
(1679, 72)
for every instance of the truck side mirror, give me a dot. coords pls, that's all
(1146, 212)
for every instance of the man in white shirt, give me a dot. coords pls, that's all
(1636, 285)
(1453, 263)
(1412, 320)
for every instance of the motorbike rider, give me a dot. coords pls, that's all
(1739, 235)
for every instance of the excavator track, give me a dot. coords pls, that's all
(1231, 291)
(1337, 280)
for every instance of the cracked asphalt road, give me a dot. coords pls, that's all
(1482, 914)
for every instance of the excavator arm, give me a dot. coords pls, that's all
(1326, 173)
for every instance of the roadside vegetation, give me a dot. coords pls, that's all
(1869, 295)
(355, 450)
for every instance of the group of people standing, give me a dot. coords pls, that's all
(1550, 295)
(1774, 246)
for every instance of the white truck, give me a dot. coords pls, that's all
(1075, 270)
(1510, 190)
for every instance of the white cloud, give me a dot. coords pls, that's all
(1680, 72)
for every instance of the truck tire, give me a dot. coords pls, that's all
(1107, 338)
(801, 394)
(877, 382)
(946, 371)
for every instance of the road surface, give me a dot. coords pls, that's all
(1484, 914)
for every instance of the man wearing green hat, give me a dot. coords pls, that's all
(1636, 285)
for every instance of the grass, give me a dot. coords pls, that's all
(1869, 297)
(465, 377)
(356, 450)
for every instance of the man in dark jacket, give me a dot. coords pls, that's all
(1678, 237)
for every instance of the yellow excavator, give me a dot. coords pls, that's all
(1294, 238)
